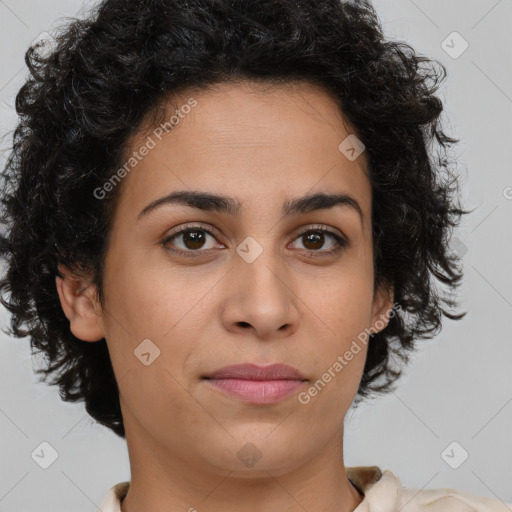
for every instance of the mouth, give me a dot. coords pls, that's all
(256, 392)
(256, 384)
(250, 371)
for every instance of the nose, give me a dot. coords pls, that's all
(260, 297)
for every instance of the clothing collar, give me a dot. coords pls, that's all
(380, 490)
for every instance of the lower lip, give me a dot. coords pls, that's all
(257, 391)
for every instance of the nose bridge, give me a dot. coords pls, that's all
(259, 291)
(259, 262)
(261, 279)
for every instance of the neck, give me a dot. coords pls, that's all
(162, 481)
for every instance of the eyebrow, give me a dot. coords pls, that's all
(224, 204)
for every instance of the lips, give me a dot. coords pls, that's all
(256, 385)
(249, 371)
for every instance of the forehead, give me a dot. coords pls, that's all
(252, 112)
(257, 141)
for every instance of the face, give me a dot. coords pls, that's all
(254, 283)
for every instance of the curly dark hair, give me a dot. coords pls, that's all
(89, 93)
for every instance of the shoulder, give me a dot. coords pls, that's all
(383, 491)
(446, 499)
(112, 500)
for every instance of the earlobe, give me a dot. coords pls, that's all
(382, 306)
(78, 299)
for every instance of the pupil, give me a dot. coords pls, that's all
(314, 237)
(193, 239)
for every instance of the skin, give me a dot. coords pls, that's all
(204, 312)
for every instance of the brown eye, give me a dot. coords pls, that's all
(314, 240)
(193, 239)
(190, 240)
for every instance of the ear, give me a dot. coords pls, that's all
(79, 302)
(382, 305)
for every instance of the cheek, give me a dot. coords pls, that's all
(338, 356)
(157, 397)
(341, 311)
(143, 304)
(342, 301)
(150, 297)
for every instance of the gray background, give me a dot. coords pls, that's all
(457, 388)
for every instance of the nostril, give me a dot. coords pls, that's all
(244, 324)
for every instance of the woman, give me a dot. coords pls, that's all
(224, 223)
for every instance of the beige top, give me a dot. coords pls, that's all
(383, 492)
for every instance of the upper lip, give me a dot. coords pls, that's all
(249, 371)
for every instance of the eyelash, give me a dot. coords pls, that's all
(341, 243)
